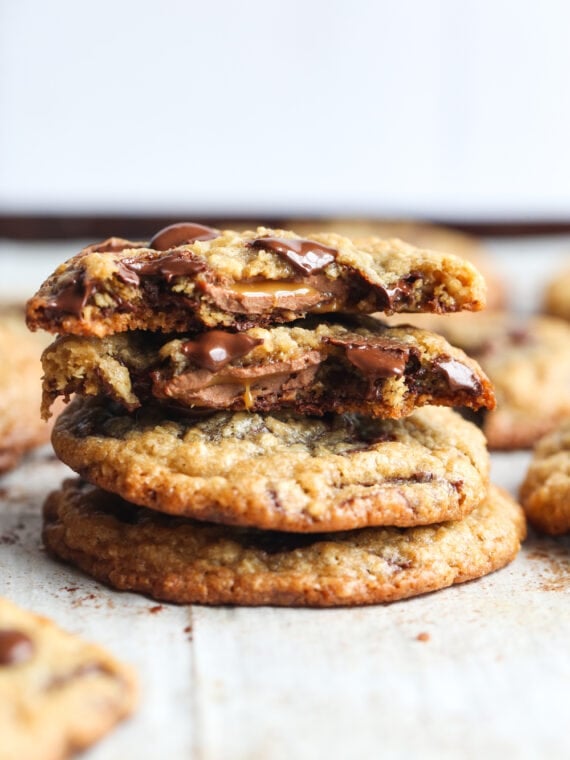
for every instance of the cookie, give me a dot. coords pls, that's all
(180, 560)
(280, 471)
(312, 367)
(21, 427)
(557, 295)
(545, 492)
(423, 235)
(58, 694)
(188, 281)
(528, 362)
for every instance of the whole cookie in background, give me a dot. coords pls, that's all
(556, 300)
(528, 361)
(177, 560)
(280, 471)
(58, 693)
(310, 366)
(21, 427)
(225, 279)
(423, 235)
(545, 492)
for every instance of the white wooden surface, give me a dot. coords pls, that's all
(492, 680)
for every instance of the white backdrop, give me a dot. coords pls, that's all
(454, 108)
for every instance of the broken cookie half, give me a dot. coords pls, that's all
(351, 365)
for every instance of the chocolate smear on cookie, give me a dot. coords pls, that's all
(175, 264)
(72, 295)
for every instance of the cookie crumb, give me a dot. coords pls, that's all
(154, 610)
(423, 636)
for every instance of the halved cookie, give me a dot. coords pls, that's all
(357, 365)
(197, 277)
(527, 360)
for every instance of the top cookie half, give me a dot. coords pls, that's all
(192, 277)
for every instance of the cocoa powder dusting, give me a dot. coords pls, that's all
(554, 575)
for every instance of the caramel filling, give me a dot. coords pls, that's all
(248, 397)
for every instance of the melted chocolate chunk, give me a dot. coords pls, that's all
(112, 245)
(459, 377)
(401, 289)
(216, 349)
(182, 233)
(127, 275)
(306, 255)
(377, 362)
(72, 295)
(15, 647)
(380, 358)
(175, 264)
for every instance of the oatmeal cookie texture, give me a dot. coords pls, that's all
(545, 492)
(242, 280)
(180, 560)
(422, 235)
(280, 471)
(528, 362)
(58, 693)
(357, 365)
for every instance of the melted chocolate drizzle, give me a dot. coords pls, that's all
(307, 256)
(182, 233)
(215, 349)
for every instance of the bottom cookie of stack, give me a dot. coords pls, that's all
(177, 559)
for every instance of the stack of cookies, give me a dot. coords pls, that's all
(247, 433)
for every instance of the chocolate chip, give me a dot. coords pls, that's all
(373, 361)
(459, 377)
(216, 349)
(15, 647)
(182, 233)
